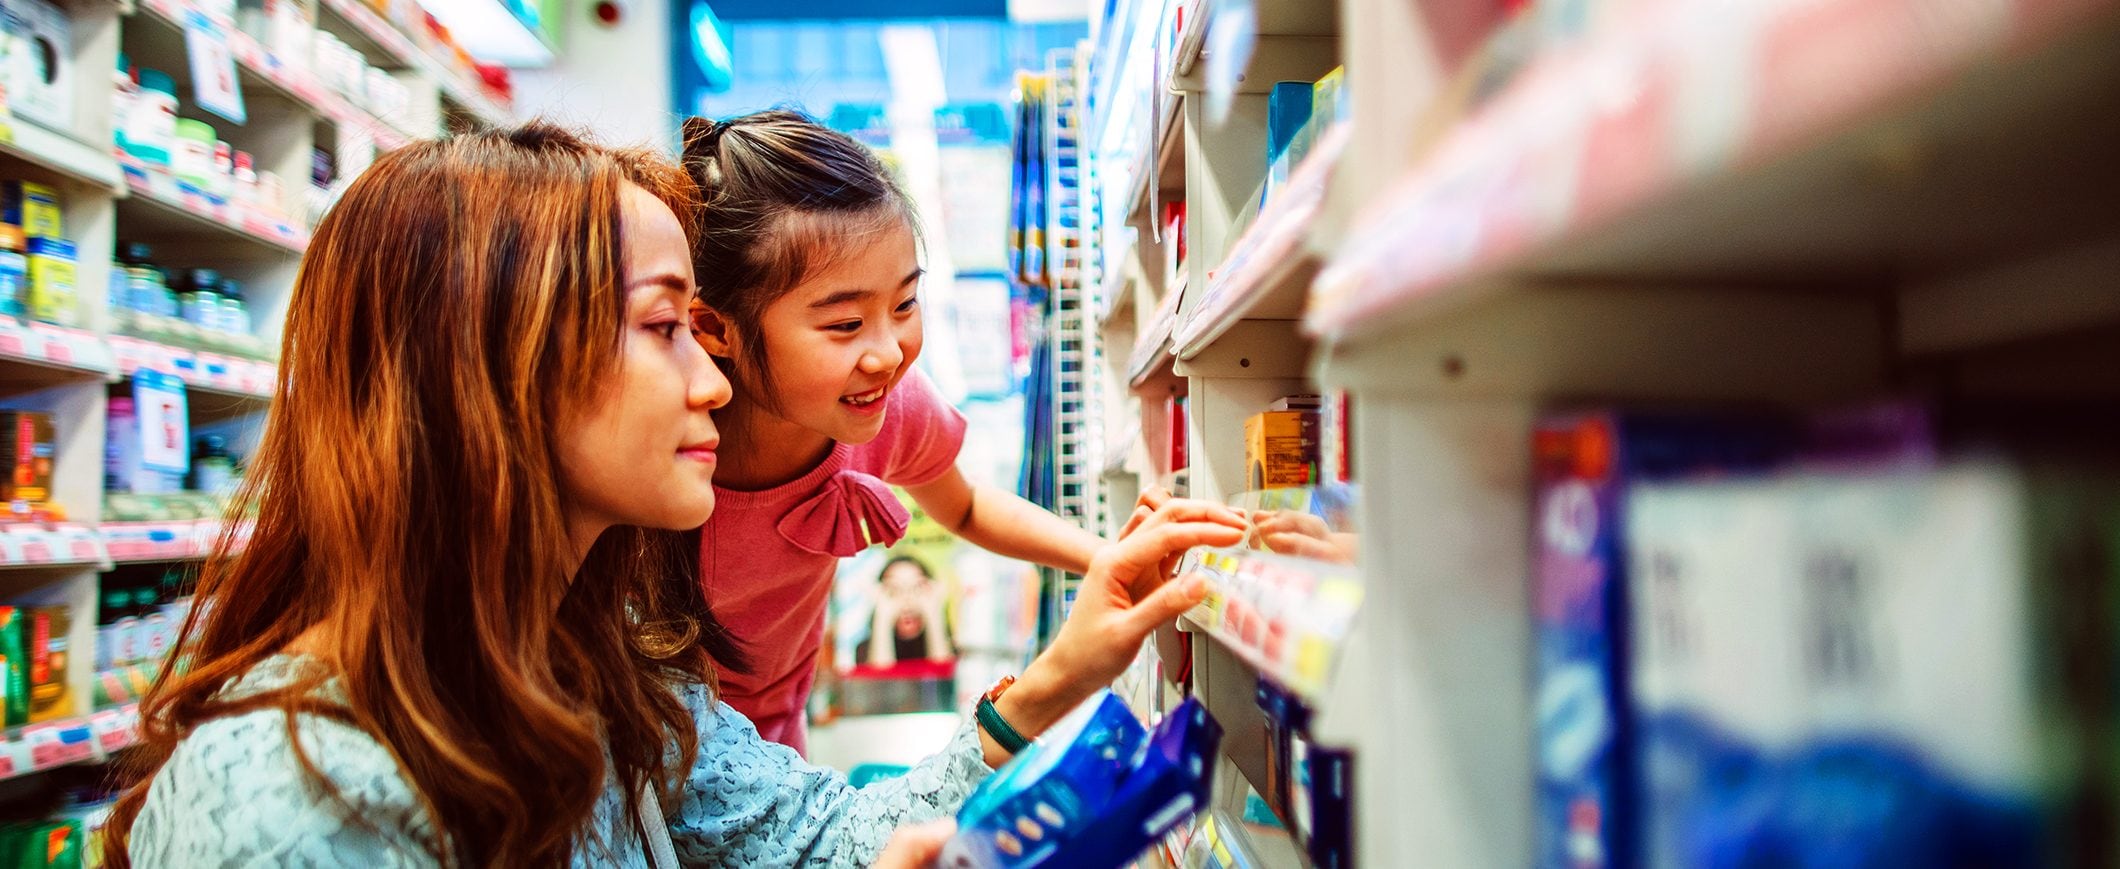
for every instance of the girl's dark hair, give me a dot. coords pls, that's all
(781, 196)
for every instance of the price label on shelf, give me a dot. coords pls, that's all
(51, 746)
(115, 729)
(213, 68)
(13, 339)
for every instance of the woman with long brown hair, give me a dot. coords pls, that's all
(467, 629)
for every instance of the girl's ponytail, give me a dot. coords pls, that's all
(782, 196)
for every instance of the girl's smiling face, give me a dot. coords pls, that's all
(839, 342)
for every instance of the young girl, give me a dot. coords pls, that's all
(457, 636)
(809, 270)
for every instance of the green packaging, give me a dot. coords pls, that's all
(15, 678)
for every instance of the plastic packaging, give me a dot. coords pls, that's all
(192, 159)
(1094, 793)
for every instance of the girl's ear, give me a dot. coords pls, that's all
(714, 331)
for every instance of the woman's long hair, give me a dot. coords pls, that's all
(460, 301)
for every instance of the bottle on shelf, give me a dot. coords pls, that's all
(125, 95)
(151, 127)
(235, 312)
(201, 301)
(110, 625)
(155, 632)
(213, 468)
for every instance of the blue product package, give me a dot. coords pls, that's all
(1583, 464)
(1061, 803)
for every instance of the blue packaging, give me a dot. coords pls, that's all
(1092, 794)
(1582, 466)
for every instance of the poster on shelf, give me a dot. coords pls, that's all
(893, 630)
(165, 421)
(213, 68)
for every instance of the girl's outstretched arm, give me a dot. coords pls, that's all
(1004, 524)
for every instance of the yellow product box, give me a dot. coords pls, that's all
(1281, 449)
(33, 208)
(51, 281)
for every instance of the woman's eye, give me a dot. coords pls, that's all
(668, 330)
(849, 327)
(908, 305)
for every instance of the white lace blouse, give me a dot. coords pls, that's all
(234, 794)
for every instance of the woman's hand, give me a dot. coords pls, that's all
(1122, 599)
(915, 847)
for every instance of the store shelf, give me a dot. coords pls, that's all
(59, 153)
(1297, 40)
(1151, 359)
(91, 738)
(37, 545)
(261, 69)
(1161, 169)
(1116, 298)
(1285, 617)
(200, 370)
(1849, 142)
(1220, 841)
(39, 353)
(163, 208)
(1268, 272)
(387, 46)
(177, 540)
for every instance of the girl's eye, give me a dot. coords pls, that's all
(849, 327)
(668, 330)
(908, 305)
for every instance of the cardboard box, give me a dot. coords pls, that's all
(1281, 449)
(40, 66)
(29, 440)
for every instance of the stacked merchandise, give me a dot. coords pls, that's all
(1882, 638)
(1094, 792)
(135, 629)
(37, 261)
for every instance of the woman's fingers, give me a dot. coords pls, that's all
(1151, 545)
(915, 847)
(1174, 599)
(1141, 514)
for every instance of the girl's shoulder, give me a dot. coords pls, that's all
(235, 792)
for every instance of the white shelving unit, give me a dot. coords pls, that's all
(1764, 201)
(72, 372)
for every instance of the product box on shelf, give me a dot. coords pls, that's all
(28, 440)
(33, 208)
(1281, 448)
(52, 281)
(1094, 793)
(48, 657)
(1899, 649)
(40, 62)
(1583, 465)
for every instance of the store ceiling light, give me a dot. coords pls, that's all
(493, 31)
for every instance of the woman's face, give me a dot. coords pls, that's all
(839, 342)
(641, 452)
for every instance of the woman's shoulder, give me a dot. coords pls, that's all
(235, 792)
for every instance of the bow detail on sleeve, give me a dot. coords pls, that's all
(831, 521)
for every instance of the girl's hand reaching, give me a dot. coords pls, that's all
(1122, 599)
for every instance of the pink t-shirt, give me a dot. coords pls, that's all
(767, 558)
